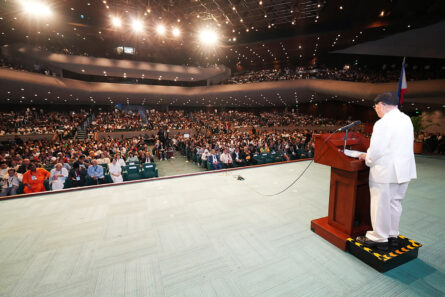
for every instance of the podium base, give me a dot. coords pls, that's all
(383, 261)
(331, 234)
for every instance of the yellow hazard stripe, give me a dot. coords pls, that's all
(413, 243)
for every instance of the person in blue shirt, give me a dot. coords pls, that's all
(96, 172)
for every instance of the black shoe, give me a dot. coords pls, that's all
(372, 244)
(393, 242)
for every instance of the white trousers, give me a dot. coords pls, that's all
(57, 185)
(117, 179)
(386, 209)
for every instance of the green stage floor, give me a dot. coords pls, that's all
(210, 235)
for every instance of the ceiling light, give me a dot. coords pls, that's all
(116, 22)
(137, 25)
(160, 29)
(176, 32)
(36, 8)
(208, 37)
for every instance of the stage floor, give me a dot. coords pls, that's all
(210, 235)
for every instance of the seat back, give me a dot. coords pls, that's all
(132, 172)
(149, 170)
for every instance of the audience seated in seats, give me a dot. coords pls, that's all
(118, 121)
(226, 159)
(104, 159)
(57, 177)
(115, 170)
(32, 121)
(3, 170)
(10, 182)
(132, 158)
(24, 166)
(146, 157)
(77, 175)
(372, 74)
(205, 156)
(119, 160)
(248, 157)
(96, 173)
(34, 179)
(238, 157)
(215, 138)
(214, 160)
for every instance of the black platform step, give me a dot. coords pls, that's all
(382, 261)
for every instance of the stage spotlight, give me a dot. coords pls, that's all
(208, 37)
(160, 29)
(176, 32)
(36, 8)
(137, 25)
(116, 22)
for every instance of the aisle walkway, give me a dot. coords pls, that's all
(176, 166)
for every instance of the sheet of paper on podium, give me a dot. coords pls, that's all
(352, 153)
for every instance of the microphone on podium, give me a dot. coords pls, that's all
(349, 126)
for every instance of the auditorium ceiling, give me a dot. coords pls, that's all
(252, 34)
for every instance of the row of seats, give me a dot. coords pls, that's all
(258, 159)
(129, 172)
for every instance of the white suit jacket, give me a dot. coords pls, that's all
(390, 155)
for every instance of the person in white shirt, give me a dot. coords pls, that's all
(57, 177)
(119, 160)
(11, 181)
(226, 159)
(392, 165)
(115, 171)
(3, 168)
(204, 157)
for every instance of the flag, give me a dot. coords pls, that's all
(402, 89)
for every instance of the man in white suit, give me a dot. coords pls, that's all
(391, 160)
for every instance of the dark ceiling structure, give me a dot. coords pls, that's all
(252, 33)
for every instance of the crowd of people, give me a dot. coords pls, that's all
(179, 119)
(47, 165)
(33, 121)
(433, 143)
(214, 140)
(117, 121)
(79, 161)
(217, 137)
(231, 148)
(355, 74)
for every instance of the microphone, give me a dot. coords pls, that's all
(349, 126)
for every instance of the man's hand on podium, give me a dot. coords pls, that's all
(362, 157)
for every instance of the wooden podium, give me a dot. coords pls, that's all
(349, 196)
